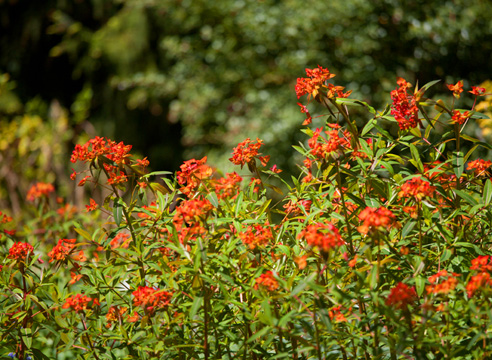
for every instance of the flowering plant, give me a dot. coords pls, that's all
(379, 250)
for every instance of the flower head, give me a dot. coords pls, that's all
(401, 296)
(256, 235)
(324, 236)
(19, 251)
(150, 299)
(460, 118)
(39, 190)
(404, 107)
(245, 152)
(267, 281)
(79, 302)
(61, 250)
(417, 188)
(479, 165)
(457, 88)
(375, 219)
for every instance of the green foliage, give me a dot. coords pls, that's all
(380, 249)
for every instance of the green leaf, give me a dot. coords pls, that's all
(118, 212)
(85, 234)
(429, 84)
(368, 127)
(465, 196)
(458, 163)
(416, 157)
(27, 337)
(487, 192)
(212, 197)
(420, 285)
(259, 334)
(197, 303)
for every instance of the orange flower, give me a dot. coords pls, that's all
(301, 261)
(79, 302)
(313, 83)
(150, 299)
(39, 190)
(132, 318)
(460, 118)
(457, 88)
(477, 91)
(449, 283)
(400, 296)
(193, 173)
(325, 236)
(268, 281)
(19, 251)
(61, 250)
(375, 219)
(228, 186)
(479, 165)
(417, 188)
(93, 205)
(404, 107)
(115, 314)
(256, 235)
(305, 110)
(75, 277)
(245, 152)
(477, 282)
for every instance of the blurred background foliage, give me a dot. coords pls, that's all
(187, 78)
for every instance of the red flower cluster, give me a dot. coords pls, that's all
(256, 235)
(115, 314)
(477, 91)
(375, 219)
(479, 165)
(188, 217)
(4, 218)
(79, 302)
(325, 236)
(457, 88)
(268, 281)
(228, 186)
(404, 107)
(193, 173)
(312, 84)
(121, 240)
(19, 251)
(336, 314)
(322, 147)
(61, 250)
(449, 283)
(245, 153)
(417, 188)
(294, 207)
(460, 118)
(150, 299)
(401, 296)
(39, 190)
(117, 153)
(483, 264)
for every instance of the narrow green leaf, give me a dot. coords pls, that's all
(458, 163)
(420, 285)
(487, 192)
(465, 196)
(197, 303)
(368, 127)
(259, 334)
(117, 212)
(212, 197)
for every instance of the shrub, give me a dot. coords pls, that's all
(379, 250)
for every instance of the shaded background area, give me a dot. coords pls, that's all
(180, 79)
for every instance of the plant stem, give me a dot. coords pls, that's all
(345, 211)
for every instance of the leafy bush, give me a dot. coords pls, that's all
(379, 250)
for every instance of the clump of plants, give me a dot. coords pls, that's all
(379, 249)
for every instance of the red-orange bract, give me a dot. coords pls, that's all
(19, 251)
(61, 250)
(324, 236)
(417, 188)
(375, 219)
(268, 281)
(401, 296)
(39, 190)
(150, 299)
(404, 107)
(79, 302)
